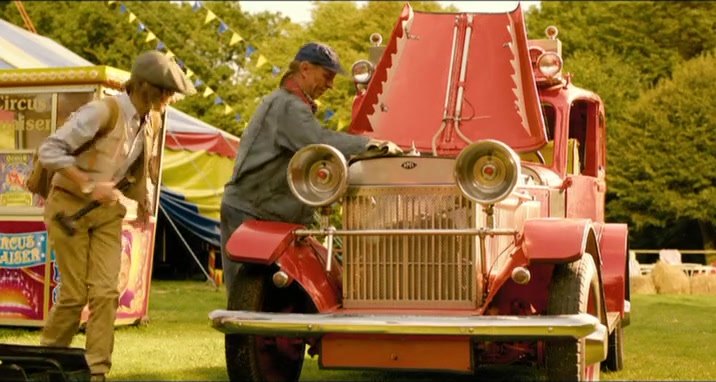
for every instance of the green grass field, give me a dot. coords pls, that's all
(670, 338)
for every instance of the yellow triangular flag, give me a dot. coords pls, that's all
(189, 73)
(261, 60)
(169, 54)
(227, 109)
(318, 103)
(341, 124)
(209, 16)
(132, 17)
(208, 92)
(110, 2)
(235, 39)
(150, 36)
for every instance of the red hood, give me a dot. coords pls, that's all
(406, 100)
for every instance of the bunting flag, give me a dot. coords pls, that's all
(328, 114)
(235, 39)
(250, 50)
(341, 125)
(209, 16)
(261, 61)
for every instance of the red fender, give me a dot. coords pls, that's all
(556, 240)
(613, 249)
(270, 242)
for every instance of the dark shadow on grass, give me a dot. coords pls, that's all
(201, 373)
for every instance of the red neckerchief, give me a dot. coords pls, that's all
(292, 87)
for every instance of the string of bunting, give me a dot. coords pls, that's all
(251, 50)
(161, 46)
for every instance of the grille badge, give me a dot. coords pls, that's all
(408, 165)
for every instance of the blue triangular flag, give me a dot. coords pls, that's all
(218, 100)
(198, 83)
(180, 63)
(275, 70)
(328, 115)
(238, 117)
(250, 50)
(122, 9)
(160, 45)
(140, 27)
(196, 6)
(222, 27)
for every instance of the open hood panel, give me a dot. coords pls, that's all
(416, 96)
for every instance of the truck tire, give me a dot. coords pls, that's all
(615, 356)
(254, 358)
(574, 289)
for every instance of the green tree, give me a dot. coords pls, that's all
(668, 171)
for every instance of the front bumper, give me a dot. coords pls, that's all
(484, 327)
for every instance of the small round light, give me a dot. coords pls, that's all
(521, 275)
(549, 64)
(551, 32)
(362, 71)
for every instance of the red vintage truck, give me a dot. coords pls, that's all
(483, 244)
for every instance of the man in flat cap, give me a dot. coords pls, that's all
(103, 142)
(258, 189)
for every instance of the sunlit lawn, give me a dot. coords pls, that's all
(671, 338)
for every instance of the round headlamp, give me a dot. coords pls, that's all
(362, 71)
(487, 171)
(318, 175)
(549, 64)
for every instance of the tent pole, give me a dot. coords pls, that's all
(187, 246)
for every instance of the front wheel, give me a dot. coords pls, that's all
(574, 289)
(253, 358)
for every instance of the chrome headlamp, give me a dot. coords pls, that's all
(487, 171)
(318, 175)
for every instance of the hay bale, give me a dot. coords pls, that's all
(670, 279)
(703, 284)
(642, 284)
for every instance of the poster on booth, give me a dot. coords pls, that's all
(30, 279)
(23, 267)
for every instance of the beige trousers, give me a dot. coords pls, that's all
(89, 264)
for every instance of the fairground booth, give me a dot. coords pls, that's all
(41, 85)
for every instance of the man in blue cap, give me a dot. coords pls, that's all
(283, 124)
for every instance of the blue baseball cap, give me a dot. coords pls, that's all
(320, 54)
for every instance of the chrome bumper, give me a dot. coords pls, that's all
(486, 327)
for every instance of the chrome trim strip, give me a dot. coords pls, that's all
(300, 325)
(482, 232)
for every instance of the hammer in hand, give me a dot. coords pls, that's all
(67, 223)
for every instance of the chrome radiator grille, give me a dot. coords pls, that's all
(409, 271)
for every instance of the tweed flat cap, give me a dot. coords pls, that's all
(157, 69)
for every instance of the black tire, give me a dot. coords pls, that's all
(574, 289)
(615, 356)
(251, 358)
